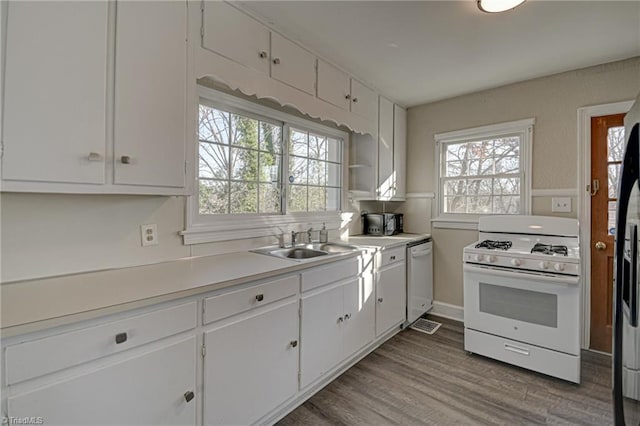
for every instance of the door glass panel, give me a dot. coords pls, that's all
(522, 305)
(613, 173)
(615, 143)
(611, 219)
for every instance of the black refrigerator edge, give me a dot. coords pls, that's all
(626, 333)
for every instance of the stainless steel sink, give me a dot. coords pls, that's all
(307, 251)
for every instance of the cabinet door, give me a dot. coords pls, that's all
(251, 366)
(359, 308)
(235, 35)
(292, 65)
(364, 101)
(391, 297)
(400, 150)
(333, 85)
(320, 333)
(55, 92)
(145, 389)
(150, 93)
(386, 177)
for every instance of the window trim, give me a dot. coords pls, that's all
(242, 226)
(523, 128)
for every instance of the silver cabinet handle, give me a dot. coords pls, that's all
(263, 54)
(355, 100)
(347, 316)
(380, 299)
(125, 159)
(340, 319)
(276, 61)
(189, 395)
(94, 156)
(347, 96)
(392, 258)
(259, 297)
(294, 343)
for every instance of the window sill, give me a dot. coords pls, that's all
(238, 228)
(455, 223)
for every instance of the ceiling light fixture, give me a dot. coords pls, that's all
(493, 6)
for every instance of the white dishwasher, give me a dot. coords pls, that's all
(419, 279)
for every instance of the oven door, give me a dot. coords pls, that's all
(542, 310)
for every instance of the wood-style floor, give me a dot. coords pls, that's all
(416, 378)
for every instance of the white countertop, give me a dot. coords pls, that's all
(37, 304)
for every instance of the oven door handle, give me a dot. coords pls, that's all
(568, 280)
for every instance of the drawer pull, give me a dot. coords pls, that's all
(294, 343)
(516, 349)
(121, 338)
(347, 316)
(263, 54)
(392, 258)
(189, 395)
(259, 297)
(125, 159)
(340, 319)
(380, 299)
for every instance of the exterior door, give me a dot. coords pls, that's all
(607, 149)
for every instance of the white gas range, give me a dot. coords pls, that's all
(522, 293)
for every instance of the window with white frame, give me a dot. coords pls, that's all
(259, 168)
(484, 170)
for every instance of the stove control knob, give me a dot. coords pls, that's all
(558, 267)
(516, 262)
(544, 265)
(477, 257)
(491, 258)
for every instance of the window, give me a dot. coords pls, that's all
(484, 170)
(260, 169)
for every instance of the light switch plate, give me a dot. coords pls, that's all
(561, 204)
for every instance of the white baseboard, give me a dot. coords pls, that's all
(447, 310)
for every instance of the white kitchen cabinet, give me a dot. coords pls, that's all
(235, 35)
(377, 166)
(96, 122)
(155, 387)
(386, 176)
(364, 101)
(336, 321)
(55, 92)
(391, 290)
(251, 364)
(292, 65)
(150, 93)
(400, 151)
(334, 85)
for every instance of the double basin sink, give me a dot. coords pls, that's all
(307, 251)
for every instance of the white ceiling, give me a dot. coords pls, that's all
(421, 51)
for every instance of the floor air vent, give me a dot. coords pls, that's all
(425, 326)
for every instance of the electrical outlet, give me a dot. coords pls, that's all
(149, 234)
(561, 204)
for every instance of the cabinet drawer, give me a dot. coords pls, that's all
(333, 272)
(32, 359)
(235, 302)
(393, 255)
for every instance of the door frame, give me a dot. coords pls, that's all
(584, 202)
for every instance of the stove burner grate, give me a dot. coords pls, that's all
(549, 249)
(498, 245)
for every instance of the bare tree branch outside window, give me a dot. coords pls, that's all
(482, 177)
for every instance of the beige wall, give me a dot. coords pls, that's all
(553, 101)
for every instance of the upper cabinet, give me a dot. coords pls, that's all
(337, 88)
(55, 92)
(292, 65)
(86, 113)
(377, 166)
(150, 101)
(234, 34)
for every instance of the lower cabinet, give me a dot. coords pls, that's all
(337, 320)
(156, 387)
(391, 297)
(251, 364)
